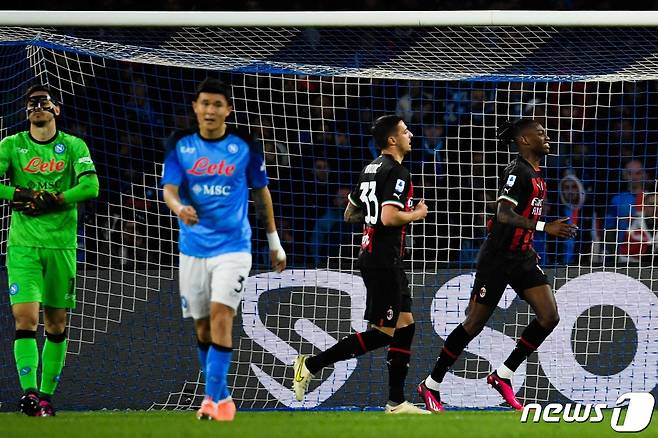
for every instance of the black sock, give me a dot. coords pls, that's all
(452, 348)
(397, 361)
(531, 338)
(347, 348)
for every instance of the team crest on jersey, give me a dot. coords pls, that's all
(59, 148)
(13, 289)
(399, 185)
(233, 148)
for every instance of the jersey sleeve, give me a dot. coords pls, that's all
(395, 187)
(172, 171)
(513, 188)
(354, 197)
(82, 162)
(256, 171)
(5, 155)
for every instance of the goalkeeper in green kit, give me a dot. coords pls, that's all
(50, 172)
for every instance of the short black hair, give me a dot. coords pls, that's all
(508, 131)
(383, 128)
(42, 87)
(214, 86)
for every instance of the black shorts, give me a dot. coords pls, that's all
(495, 273)
(388, 294)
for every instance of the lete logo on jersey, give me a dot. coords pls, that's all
(37, 165)
(203, 166)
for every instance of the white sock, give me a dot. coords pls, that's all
(504, 372)
(432, 384)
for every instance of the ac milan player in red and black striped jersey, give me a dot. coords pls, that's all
(382, 201)
(507, 257)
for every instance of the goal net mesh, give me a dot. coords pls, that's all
(310, 96)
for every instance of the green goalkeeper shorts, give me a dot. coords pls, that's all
(42, 275)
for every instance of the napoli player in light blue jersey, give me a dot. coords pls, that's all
(207, 175)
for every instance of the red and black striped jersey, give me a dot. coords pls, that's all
(382, 182)
(523, 186)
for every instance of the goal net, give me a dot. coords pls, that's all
(310, 95)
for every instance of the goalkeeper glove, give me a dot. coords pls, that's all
(24, 195)
(43, 202)
(48, 201)
(23, 200)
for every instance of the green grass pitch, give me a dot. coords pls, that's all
(461, 424)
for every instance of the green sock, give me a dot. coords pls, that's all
(52, 357)
(27, 361)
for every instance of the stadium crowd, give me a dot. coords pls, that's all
(315, 137)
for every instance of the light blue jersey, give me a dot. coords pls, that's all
(214, 176)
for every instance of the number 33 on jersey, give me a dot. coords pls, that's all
(382, 182)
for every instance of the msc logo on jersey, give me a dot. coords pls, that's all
(13, 289)
(233, 148)
(211, 190)
(59, 148)
(187, 150)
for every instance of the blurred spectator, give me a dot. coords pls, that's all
(329, 229)
(574, 205)
(433, 149)
(139, 104)
(124, 245)
(640, 240)
(414, 103)
(276, 151)
(624, 206)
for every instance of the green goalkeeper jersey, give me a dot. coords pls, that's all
(54, 166)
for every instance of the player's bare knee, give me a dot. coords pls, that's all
(54, 320)
(550, 321)
(202, 329)
(26, 322)
(473, 328)
(55, 327)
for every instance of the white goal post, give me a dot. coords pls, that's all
(330, 18)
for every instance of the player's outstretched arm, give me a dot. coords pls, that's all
(186, 213)
(392, 216)
(558, 228)
(265, 213)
